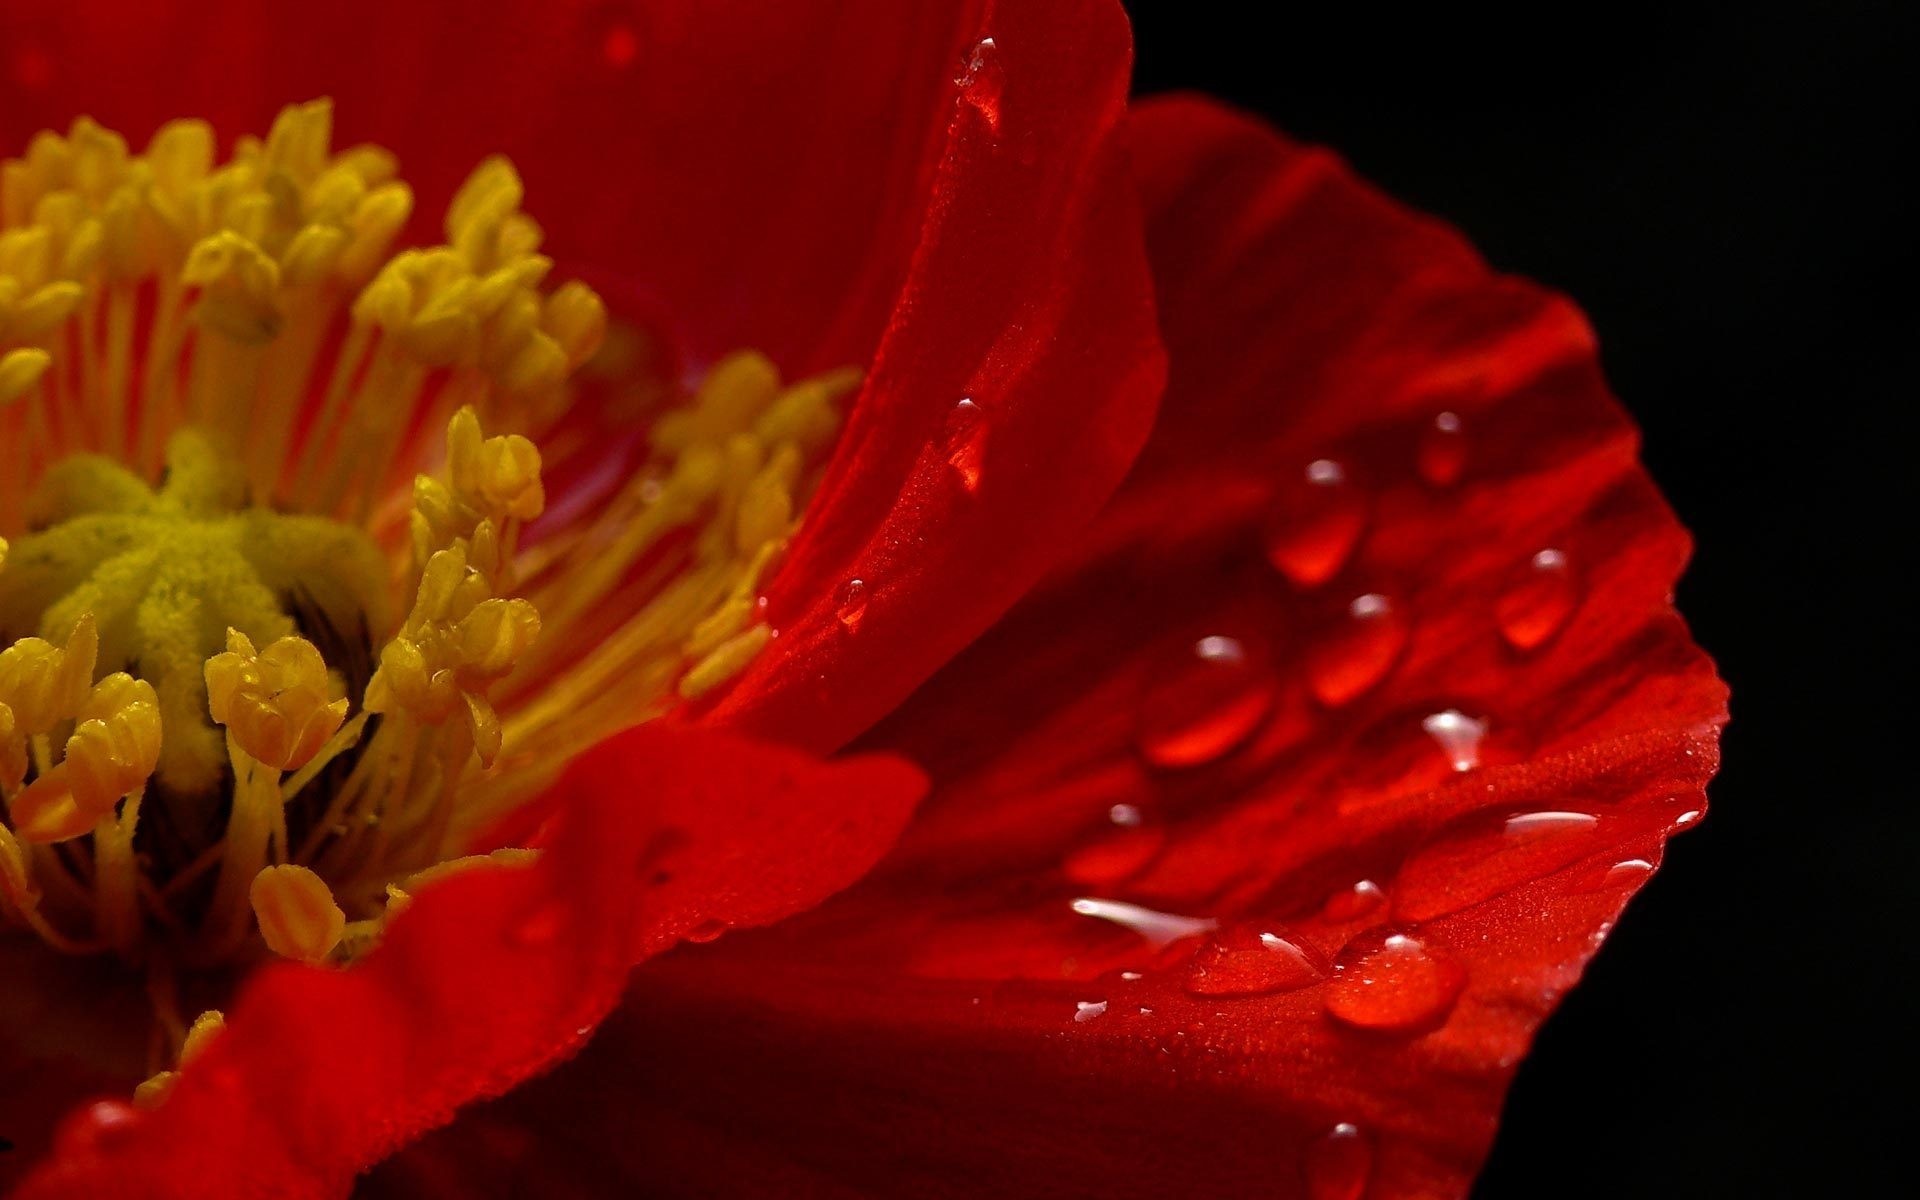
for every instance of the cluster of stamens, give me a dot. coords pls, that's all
(223, 397)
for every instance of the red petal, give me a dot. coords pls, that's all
(494, 974)
(956, 1025)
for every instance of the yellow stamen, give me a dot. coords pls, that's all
(297, 915)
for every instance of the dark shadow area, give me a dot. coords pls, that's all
(1717, 189)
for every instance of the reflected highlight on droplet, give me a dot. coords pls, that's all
(1160, 929)
(1397, 984)
(1249, 960)
(1458, 736)
(852, 607)
(1203, 700)
(1339, 1164)
(982, 80)
(963, 440)
(1315, 524)
(1442, 455)
(1087, 1010)
(1536, 604)
(1362, 899)
(1354, 655)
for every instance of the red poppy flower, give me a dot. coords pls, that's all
(1263, 832)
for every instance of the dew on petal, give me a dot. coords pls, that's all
(1118, 852)
(963, 440)
(706, 931)
(1685, 819)
(1315, 524)
(1202, 701)
(1249, 960)
(1610, 876)
(1338, 1164)
(1481, 857)
(852, 607)
(982, 80)
(1160, 929)
(1442, 455)
(1087, 1010)
(1359, 652)
(1362, 899)
(1458, 736)
(1538, 602)
(1397, 984)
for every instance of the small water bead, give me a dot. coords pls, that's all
(1685, 819)
(1395, 984)
(1481, 857)
(1160, 929)
(1459, 736)
(1247, 960)
(1539, 601)
(1087, 1010)
(1123, 850)
(1442, 455)
(706, 931)
(1315, 524)
(1359, 652)
(1339, 1164)
(1623, 874)
(1127, 816)
(853, 604)
(1362, 899)
(963, 440)
(1202, 701)
(982, 80)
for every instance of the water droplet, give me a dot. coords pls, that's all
(1541, 598)
(619, 46)
(1203, 701)
(1087, 1010)
(1130, 976)
(1362, 899)
(706, 931)
(1482, 857)
(1159, 928)
(1121, 851)
(1354, 656)
(1246, 960)
(1339, 1164)
(964, 439)
(1459, 736)
(982, 80)
(1685, 819)
(1394, 984)
(1623, 874)
(1315, 524)
(853, 604)
(1442, 456)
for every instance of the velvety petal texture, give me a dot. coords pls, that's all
(1262, 840)
(494, 972)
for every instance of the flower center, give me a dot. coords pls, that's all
(281, 624)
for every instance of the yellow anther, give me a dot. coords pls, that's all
(206, 1027)
(728, 660)
(490, 639)
(297, 915)
(239, 283)
(576, 318)
(21, 371)
(807, 413)
(737, 389)
(113, 750)
(498, 476)
(276, 702)
(44, 684)
(154, 1090)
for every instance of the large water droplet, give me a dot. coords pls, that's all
(1248, 960)
(963, 440)
(982, 80)
(1353, 656)
(1458, 736)
(1362, 899)
(853, 604)
(1442, 456)
(1482, 857)
(1087, 1010)
(1315, 523)
(1538, 602)
(1120, 851)
(1160, 929)
(1202, 701)
(1339, 1164)
(1394, 984)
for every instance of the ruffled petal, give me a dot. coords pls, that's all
(496, 972)
(1230, 885)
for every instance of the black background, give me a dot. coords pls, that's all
(1717, 188)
